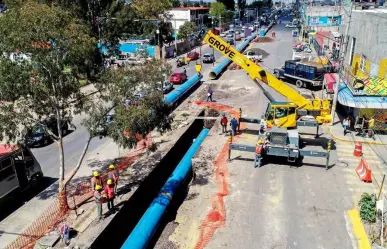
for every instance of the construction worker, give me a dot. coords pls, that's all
(234, 125)
(223, 123)
(109, 191)
(258, 153)
(95, 180)
(114, 176)
(99, 199)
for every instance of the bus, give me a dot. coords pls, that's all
(19, 169)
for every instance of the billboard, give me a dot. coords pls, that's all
(365, 86)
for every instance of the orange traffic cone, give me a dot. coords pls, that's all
(364, 173)
(358, 150)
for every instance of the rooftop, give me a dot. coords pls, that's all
(191, 8)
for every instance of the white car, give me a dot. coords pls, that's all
(251, 55)
(230, 35)
(290, 25)
(223, 34)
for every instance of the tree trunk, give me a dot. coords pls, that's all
(61, 151)
(75, 170)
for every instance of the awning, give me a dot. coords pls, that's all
(346, 98)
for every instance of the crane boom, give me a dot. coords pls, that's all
(261, 75)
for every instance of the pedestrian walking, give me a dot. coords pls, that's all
(346, 125)
(114, 176)
(109, 191)
(209, 94)
(95, 180)
(234, 125)
(273, 33)
(223, 123)
(99, 200)
(185, 71)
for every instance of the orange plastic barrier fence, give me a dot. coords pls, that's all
(77, 193)
(217, 216)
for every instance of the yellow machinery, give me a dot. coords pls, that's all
(280, 114)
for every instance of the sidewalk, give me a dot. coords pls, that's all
(15, 224)
(337, 133)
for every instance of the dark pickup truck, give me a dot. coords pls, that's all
(302, 72)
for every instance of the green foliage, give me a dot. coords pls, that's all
(117, 85)
(175, 3)
(55, 48)
(186, 29)
(151, 8)
(229, 4)
(367, 206)
(218, 9)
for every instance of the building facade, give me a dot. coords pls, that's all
(364, 90)
(178, 16)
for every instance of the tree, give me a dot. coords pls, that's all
(175, 3)
(218, 10)
(53, 48)
(187, 29)
(242, 6)
(138, 119)
(151, 8)
(229, 4)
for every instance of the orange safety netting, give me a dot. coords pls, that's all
(77, 193)
(217, 216)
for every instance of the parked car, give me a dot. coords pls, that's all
(38, 135)
(178, 78)
(167, 87)
(193, 55)
(230, 35)
(251, 55)
(223, 34)
(230, 41)
(208, 58)
(290, 25)
(238, 38)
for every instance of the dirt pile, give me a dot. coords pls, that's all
(263, 39)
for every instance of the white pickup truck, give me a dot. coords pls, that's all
(251, 55)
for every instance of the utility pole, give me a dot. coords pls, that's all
(343, 53)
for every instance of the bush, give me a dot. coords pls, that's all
(367, 206)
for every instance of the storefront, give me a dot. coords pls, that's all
(359, 105)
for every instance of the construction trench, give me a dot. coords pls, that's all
(115, 234)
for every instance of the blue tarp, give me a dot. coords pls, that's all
(345, 97)
(132, 48)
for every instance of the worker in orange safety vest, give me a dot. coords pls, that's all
(258, 153)
(109, 191)
(95, 180)
(114, 176)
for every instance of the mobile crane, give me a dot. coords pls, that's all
(282, 139)
(280, 114)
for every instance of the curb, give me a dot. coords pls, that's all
(358, 229)
(349, 140)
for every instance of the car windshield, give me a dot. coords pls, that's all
(37, 130)
(207, 55)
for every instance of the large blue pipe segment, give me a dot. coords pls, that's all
(173, 96)
(219, 68)
(145, 228)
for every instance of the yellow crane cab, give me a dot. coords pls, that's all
(281, 114)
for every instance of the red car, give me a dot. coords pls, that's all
(193, 55)
(178, 78)
(238, 38)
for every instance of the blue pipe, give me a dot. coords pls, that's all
(219, 68)
(173, 96)
(145, 228)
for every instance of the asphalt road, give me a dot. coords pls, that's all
(279, 206)
(48, 156)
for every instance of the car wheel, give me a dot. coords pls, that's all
(276, 74)
(299, 83)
